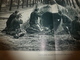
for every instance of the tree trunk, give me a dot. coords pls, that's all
(0, 4)
(73, 4)
(37, 1)
(22, 3)
(10, 5)
(62, 2)
(33, 2)
(18, 4)
(41, 1)
(30, 3)
(69, 2)
(78, 3)
(26, 3)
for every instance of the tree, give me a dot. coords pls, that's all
(18, 4)
(11, 1)
(26, 3)
(33, 2)
(22, 3)
(0, 4)
(69, 2)
(30, 3)
(78, 3)
(41, 1)
(73, 4)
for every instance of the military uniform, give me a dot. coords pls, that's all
(15, 24)
(33, 18)
(12, 16)
(75, 29)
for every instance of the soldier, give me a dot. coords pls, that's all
(34, 22)
(34, 17)
(66, 22)
(76, 28)
(15, 24)
(15, 27)
(8, 23)
(12, 16)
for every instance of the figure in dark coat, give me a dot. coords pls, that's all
(66, 23)
(8, 23)
(34, 17)
(76, 28)
(34, 23)
(12, 16)
(15, 27)
(15, 24)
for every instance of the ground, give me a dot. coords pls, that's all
(28, 42)
(36, 42)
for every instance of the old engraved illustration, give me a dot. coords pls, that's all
(40, 25)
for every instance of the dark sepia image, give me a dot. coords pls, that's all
(40, 25)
